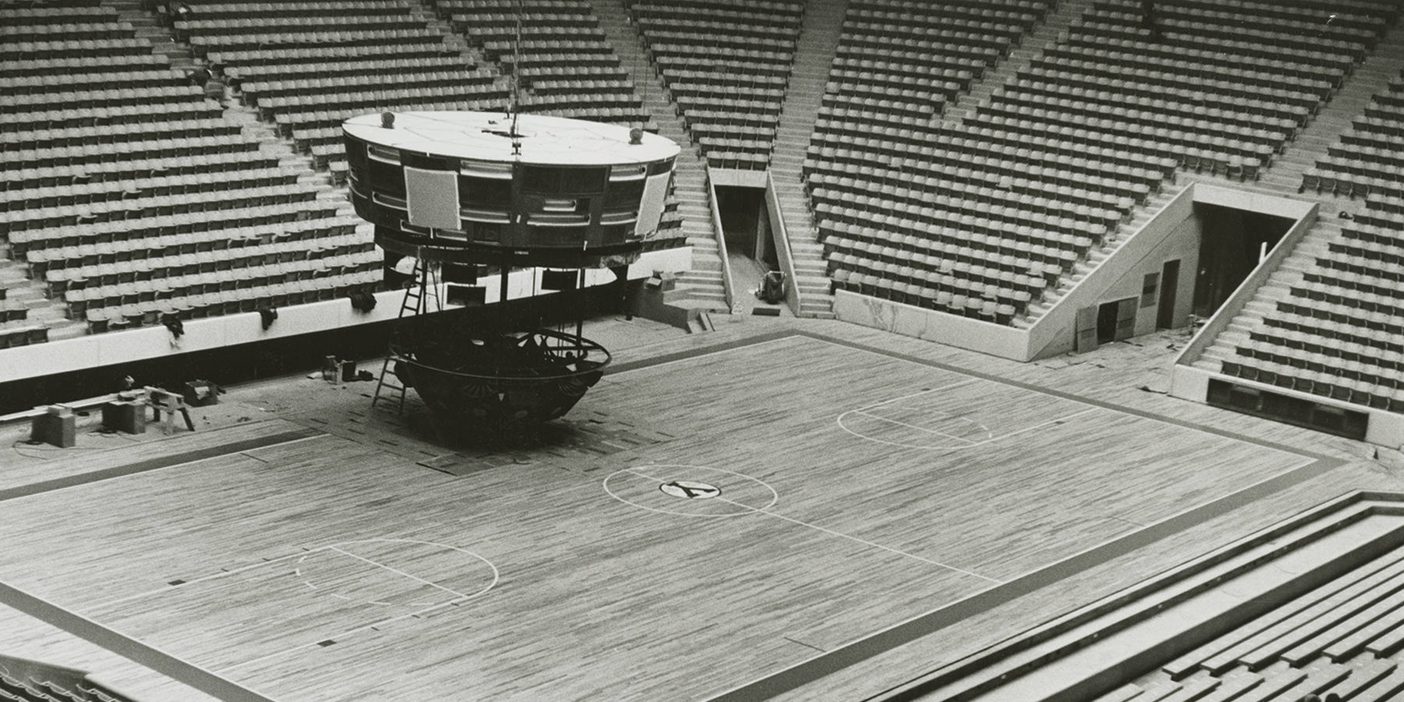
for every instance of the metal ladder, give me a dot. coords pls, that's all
(422, 290)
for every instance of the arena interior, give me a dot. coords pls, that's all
(977, 350)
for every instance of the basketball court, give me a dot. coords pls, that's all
(704, 519)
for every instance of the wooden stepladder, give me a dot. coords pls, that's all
(421, 297)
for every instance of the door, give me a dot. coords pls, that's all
(1087, 329)
(1126, 318)
(1169, 282)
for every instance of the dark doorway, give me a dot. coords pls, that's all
(1231, 244)
(744, 223)
(1116, 320)
(1106, 323)
(1169, 283)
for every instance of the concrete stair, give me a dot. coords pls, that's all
(1370, 77)
(437, 20)
(814, 52)
(1284, 178)
(1096, 256)
(1018, 59)
(149, 27)
(1265, 298)
(704, 286)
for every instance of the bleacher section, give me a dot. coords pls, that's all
(24, 680)
(310, 65)
(983, 217)
(1369, 158)
(1339, 638)
(568, 68)
(128, 195)
(1314, 605)
(726, 64)
(875, 165)
(1338, 332)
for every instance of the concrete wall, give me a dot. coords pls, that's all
(780, 237)
(1165, 236)
(908, 320)
(200, 334)
(1304, 212)
(1180, 242)
(739, 177)
(1384, 428)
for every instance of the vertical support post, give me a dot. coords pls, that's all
(580, 304)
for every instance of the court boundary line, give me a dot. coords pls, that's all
(1317, 464)
(496, 578)
(113, 641)
(787, 679)
(699, 352)
(233, 448)
(1062, 394)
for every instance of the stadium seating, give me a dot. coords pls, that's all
(980, 217)
(24, 680)
(1369, 158)
(564, 65)
(1337, 334)
(726, 64)
(308, 66)
(1338, 638)
(129, 195)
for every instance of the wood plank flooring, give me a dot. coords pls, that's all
(856, 490)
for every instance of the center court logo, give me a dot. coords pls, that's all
(690, 490)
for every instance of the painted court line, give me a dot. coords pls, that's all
(1040, 425)
(865, 542)
(230, 450)
(192, 581)
(834, 533)
(1051, 392)
(913, 426)
(397, 571)
(337, 637)
(669, 359)
(919, 393)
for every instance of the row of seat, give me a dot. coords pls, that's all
(564, 63)
(726, 65)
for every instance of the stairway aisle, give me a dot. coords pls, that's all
(1139, 216)
(818, 41)
(703, 286)
(1275, 289)
(1018, 59)
(1284, 176)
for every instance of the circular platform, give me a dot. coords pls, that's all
(486, 136)
(463, 187)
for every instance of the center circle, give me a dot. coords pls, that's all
(690, 490)
(674, 488)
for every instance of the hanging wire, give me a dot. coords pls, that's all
(516, 80)
(641, 71)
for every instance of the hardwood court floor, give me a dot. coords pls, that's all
(858, 489)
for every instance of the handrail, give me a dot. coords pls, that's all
(1246, 290)
(780, 235)
(721, 241)
(1046, 329)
